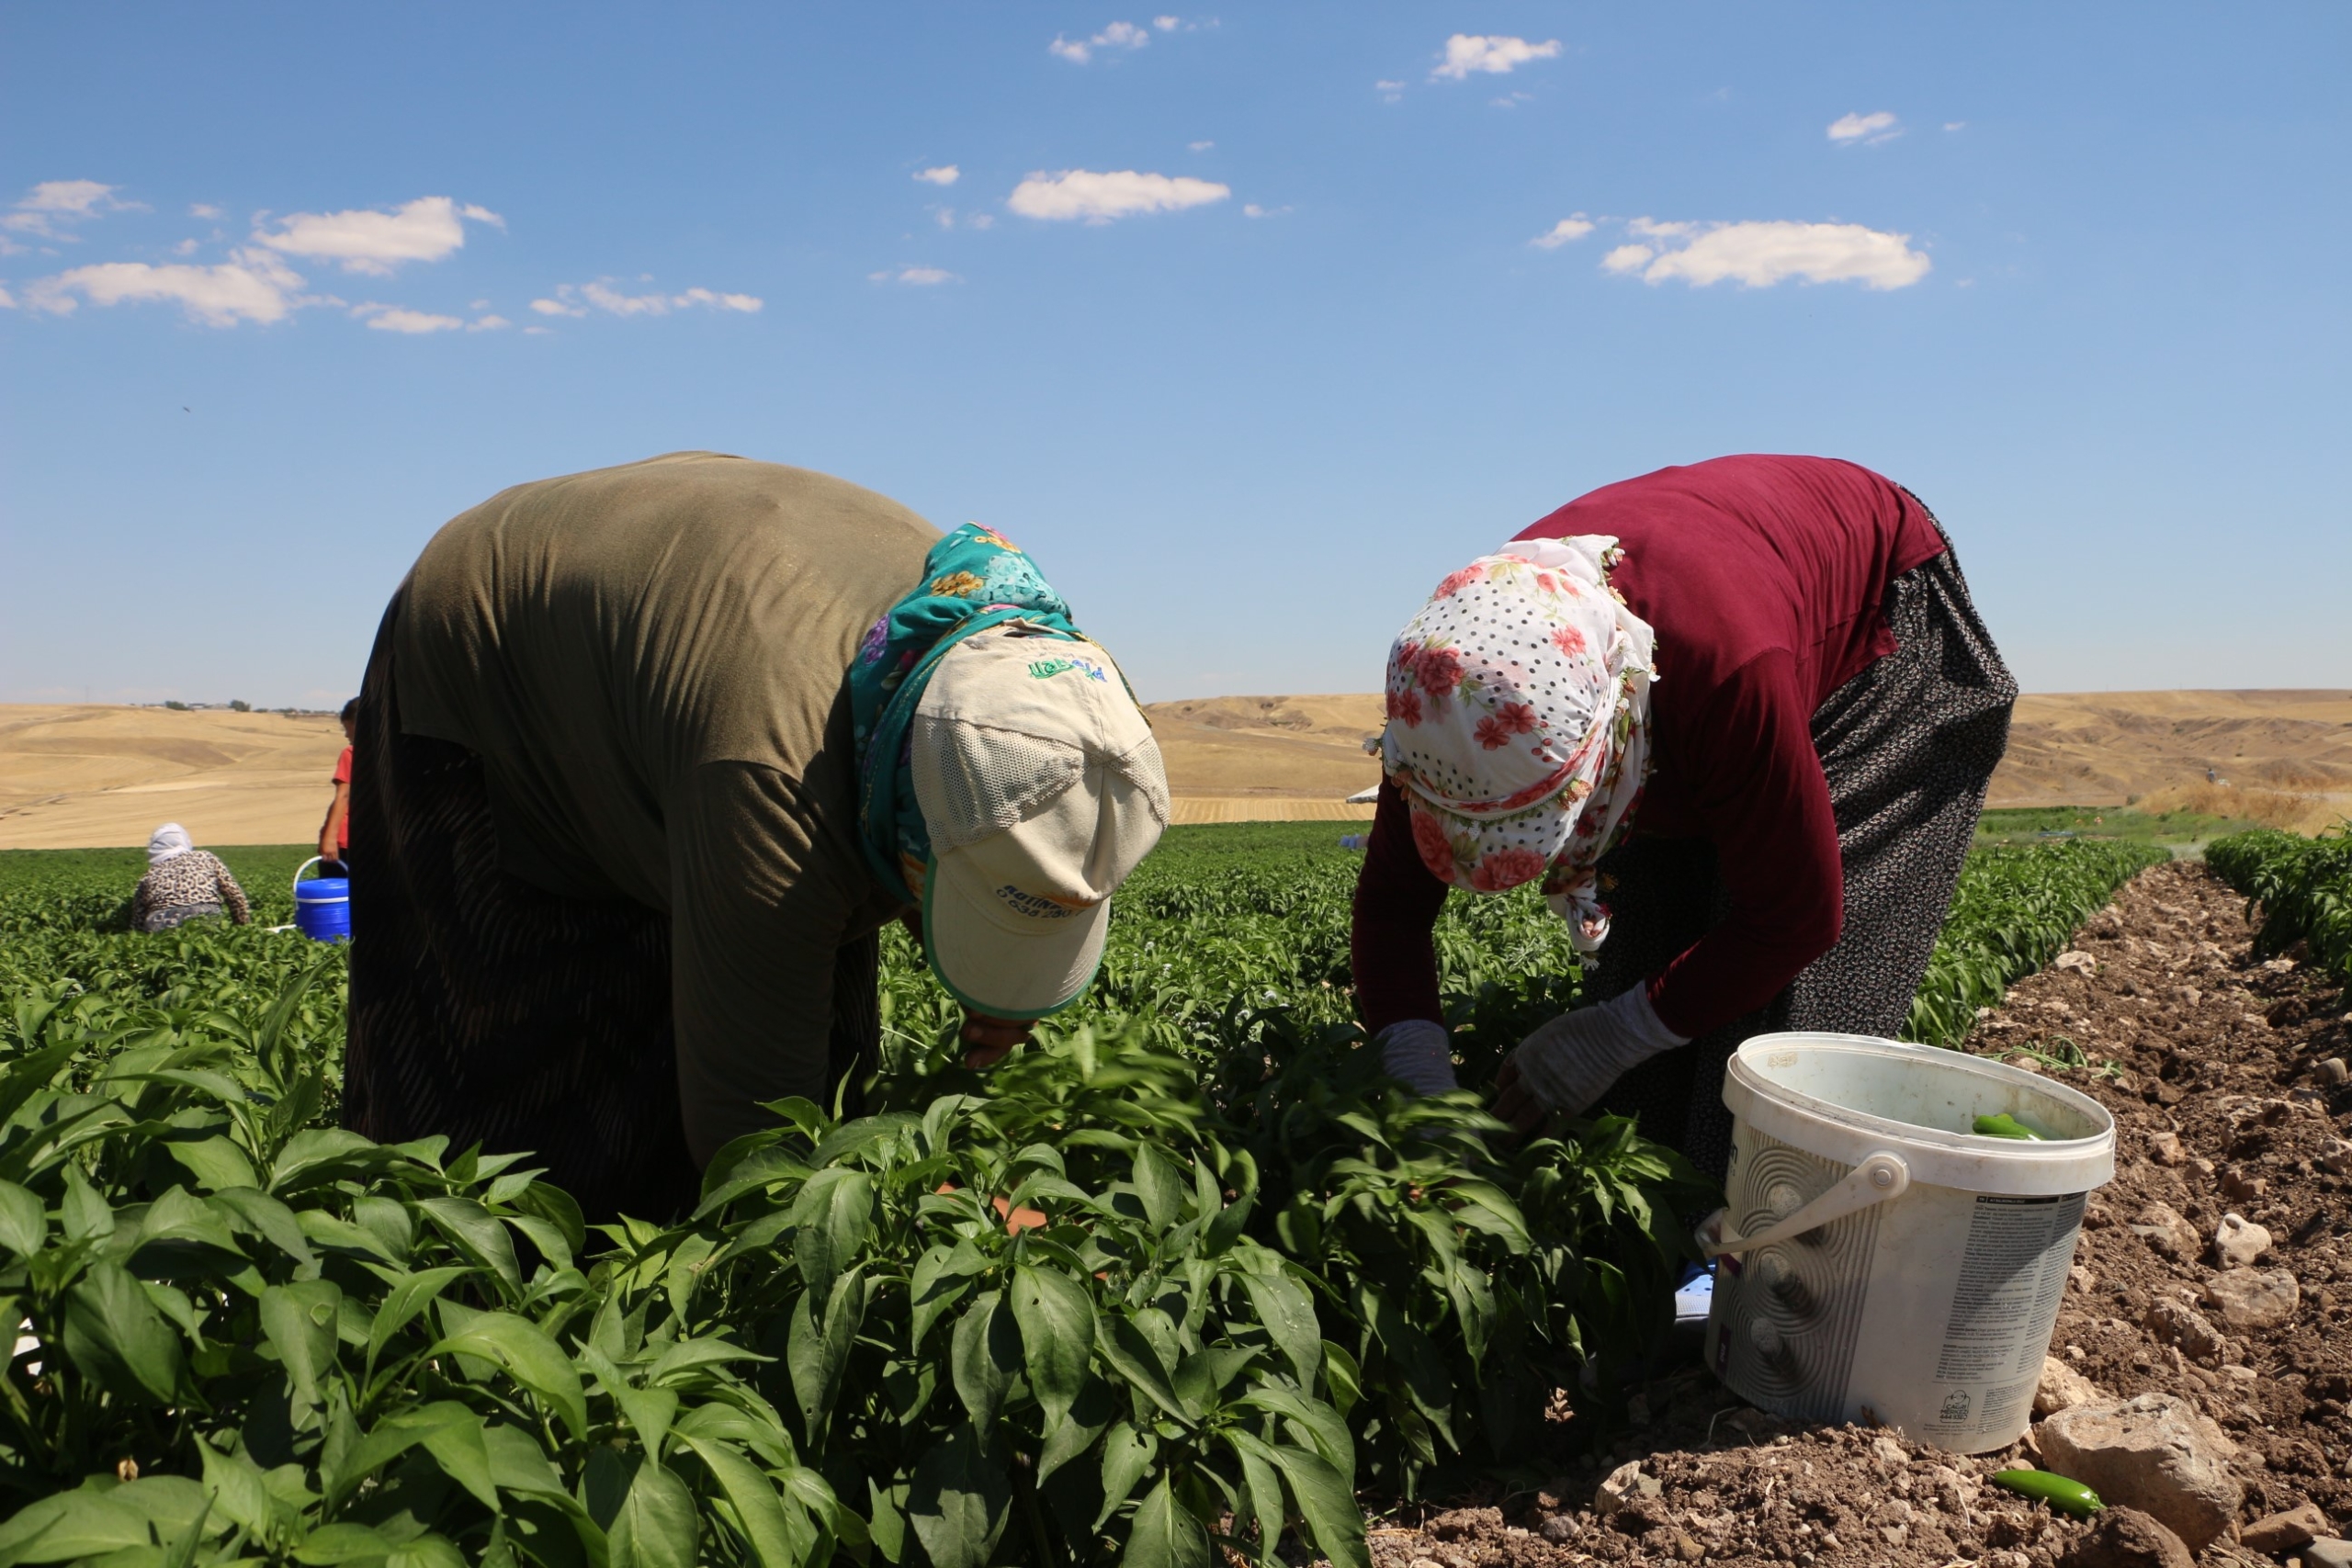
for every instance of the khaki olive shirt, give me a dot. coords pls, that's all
(650, 661)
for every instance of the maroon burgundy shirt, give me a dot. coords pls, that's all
(1766, 579)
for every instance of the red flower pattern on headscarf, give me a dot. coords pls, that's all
(1406, 707)
(1437, 852)
(1568, 641)
(1506, 867)
(1456, 581)
(1439, 671)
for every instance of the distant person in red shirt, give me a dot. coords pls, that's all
(334, 833)
(1738, 719)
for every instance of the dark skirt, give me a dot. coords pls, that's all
(1908, 746)
(495, 1012)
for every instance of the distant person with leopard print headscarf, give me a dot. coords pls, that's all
(1738, 719)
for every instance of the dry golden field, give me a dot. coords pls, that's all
(77, 775)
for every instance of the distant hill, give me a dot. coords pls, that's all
(81, 774)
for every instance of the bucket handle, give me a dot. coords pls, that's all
(1882, 1175)
(315, 860)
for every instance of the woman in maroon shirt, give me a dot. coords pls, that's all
(1747, 699)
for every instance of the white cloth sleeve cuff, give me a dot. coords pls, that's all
(1640, 1019)
(1418, 1054)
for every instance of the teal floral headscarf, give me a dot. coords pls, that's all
(972, 579)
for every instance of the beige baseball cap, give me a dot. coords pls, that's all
(1042, 789)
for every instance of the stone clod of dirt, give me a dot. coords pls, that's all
(2062, 1388)
(2126, 1538)
(2155, 1453)
(2248, 1300)
(2274, 1535)
(2328, 1551)
(2239, 1243)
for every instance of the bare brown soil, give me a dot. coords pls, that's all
(79, 775)
(2189, 1037)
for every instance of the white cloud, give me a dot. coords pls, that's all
(77, 198)
(1118, 35)
(1165, 24)
(253, 286)
(1199, 146)
(537, 331)
(487, 323)
(1864, 127)
(1497, 56)
(51, 209)
(576, 300)
(981, 220)
(1099, 198)
(1390, 92)
(915, 276)
(7, 300)
(1252, 209)
(1761, 254)
(1565, 231)
(185, 248)
(397, 318)
(1955, 125)
(365, 240)
(204, 209)
(945, 174)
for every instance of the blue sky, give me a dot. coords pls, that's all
(1237, 319)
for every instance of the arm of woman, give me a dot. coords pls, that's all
(232, 895)
(1759, 791)
(1390, 952)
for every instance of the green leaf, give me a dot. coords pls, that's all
(1160, 1186)
(341, 1469)
(69, 1525)
(832, 1217)
(1123, 1346)
(1334, 1523)
(1076, 1431)
(1164, 1535)
(656, 1527)
(773, 1540)
(298, 1320)
(987, 1353)
(113, 1331)
(344, 1543)
(478, 1233)
(1321, 1424)
(260, 1214)
(463, 1455)
(1128, 1453)
(1263, 1488)
(238, 1491)
(215, 1163)
(816, 1354)
(941, 1277)
(24, 1224)
(1057, 1319)
(958, 1501)
(426, 1551)
(517, 1463)
(407, 1297)
(1287, 1311)
(529, 1356)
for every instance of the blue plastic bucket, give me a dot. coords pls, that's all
(323, 904)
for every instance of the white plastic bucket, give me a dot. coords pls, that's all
(1879, 1261)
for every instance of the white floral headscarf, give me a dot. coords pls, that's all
(1518, 723)
(167, 841)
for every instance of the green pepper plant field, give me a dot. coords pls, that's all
(2301, 888)
(1187, 1274)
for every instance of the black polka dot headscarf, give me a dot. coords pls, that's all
(1518, 723)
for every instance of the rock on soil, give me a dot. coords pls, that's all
(2198, 1048)
(2156, 1453)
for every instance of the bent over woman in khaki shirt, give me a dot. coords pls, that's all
(653, 752)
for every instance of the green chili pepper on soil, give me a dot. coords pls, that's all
(2005, 1126)
(2061, 1493)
